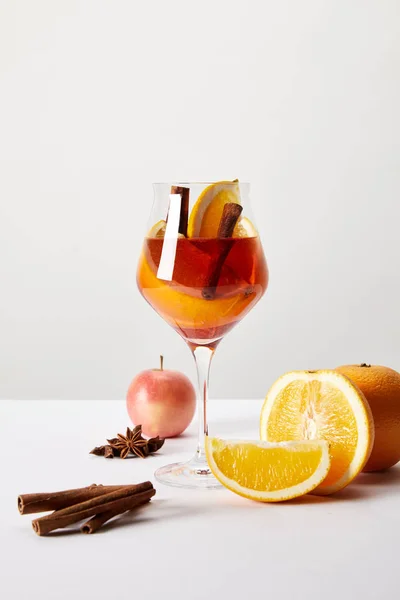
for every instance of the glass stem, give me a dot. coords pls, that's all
(202, 357)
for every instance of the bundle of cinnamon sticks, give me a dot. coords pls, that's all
(97, 503)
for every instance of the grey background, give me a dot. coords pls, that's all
(99, 99)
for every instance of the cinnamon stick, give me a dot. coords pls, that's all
(33, 503)
(132, 502)
(230, 216)
(184, 216)
(116, 500)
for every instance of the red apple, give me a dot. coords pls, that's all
(162, 401)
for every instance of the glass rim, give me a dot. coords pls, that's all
(177, 183)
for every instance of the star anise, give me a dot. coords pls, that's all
(110, 452)
(106, 451)
(121, 443)
(132, 442)
(98, 451)
(137, 444)
(155, 444)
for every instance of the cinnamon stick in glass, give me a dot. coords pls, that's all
(183, 220)
(33, 503)
(230, 216)
(132, 502)
(113, 501)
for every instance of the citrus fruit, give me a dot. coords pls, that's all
(268, 472)
(191, 264)
(244, 228)
(206, 213)
(381, 387)
(158, 230)
(310, 405)
(180, 309)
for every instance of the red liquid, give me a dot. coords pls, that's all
(200, 312)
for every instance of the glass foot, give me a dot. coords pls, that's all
(192, 474)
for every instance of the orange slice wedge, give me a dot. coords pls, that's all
(178, 308)
(268, 472)
(206, 214)
(244, 228)
(321, 405)
(158, 230)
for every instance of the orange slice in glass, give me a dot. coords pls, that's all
(206, 214)
(190, 311)
(244, 229)
(158, 230)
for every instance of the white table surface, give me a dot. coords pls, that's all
(185, 544)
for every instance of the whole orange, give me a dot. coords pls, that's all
(381, 387)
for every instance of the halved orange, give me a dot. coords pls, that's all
(268, 472)
(315, 405)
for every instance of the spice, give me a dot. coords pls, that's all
(134, 501)
(230, 216)
(131, 443)
(32, 503)
(109, 452)
(183, 219)
(109, 504)
(155, 444)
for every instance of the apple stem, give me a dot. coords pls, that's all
(161, 362)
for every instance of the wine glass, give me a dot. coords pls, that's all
(202, 268)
